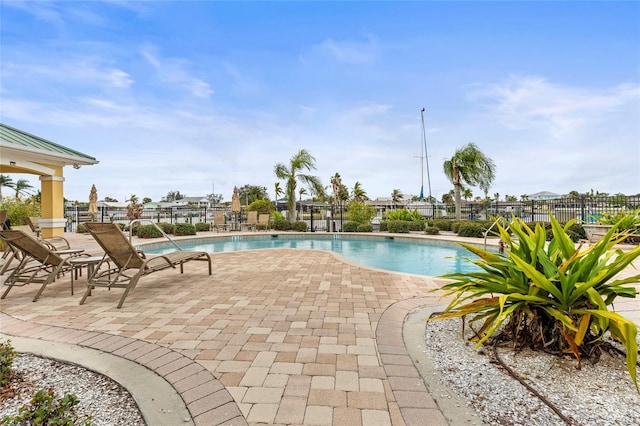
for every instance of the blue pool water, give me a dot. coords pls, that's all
(420, 257)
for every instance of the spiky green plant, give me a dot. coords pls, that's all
(548, 296)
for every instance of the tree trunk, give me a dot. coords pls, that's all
(292, 206)
(457, 187)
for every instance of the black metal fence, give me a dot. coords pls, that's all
(327, 218)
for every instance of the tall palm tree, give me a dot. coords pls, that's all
(277, 191)
(359, 194)
(448, 197)
(301, 191)
(5, 181)
(292, 173)
(396, 196)
(22, 186)
(336, 186)
(468, 165)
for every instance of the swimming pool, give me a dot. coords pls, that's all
(390, 253)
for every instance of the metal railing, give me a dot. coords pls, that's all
(164, 234)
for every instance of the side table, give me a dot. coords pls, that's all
(78, 262)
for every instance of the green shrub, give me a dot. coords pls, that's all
(167, 228)
(148, 231)
(416, 226)
(548, 296)
(281, 225)
(443, 224)
(360, 212)
(202, 227)
(365, 227)
(470, 229)
(261, 206)
(406, 215)
(82, 229)
(398, 226)
(350, 226)
(7, 353)
(628, 223)
(455, 225)
(133, 229)
(184, 229)
(45, 409)
(18, 210)
(299, 226)
(431, 230)
(384, 226)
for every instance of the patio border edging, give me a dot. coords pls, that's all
(206, 399)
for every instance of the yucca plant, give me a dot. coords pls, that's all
(548, 296)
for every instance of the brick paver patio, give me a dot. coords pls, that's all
(273, 337)
(290, 335)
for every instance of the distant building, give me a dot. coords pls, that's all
(543, 195)
(196, 201)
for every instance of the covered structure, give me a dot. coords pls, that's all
(21, 152)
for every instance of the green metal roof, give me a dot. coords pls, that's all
(11, 137)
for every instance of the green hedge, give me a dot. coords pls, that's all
(281, 225)
(384, 226)
(442, 224)
(148, 231)
(365, 227)
(398, 226)
(202, 227)
(470, 229)
(299, 226)
(432, 230)
(167, 227)
(185, 229)
(350, 226)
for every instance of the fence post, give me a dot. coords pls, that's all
(311, 218)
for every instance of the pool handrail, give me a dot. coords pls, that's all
(164, 234)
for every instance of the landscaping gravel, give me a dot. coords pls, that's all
(100, 397)
(598, 394)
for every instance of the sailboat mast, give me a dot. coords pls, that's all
(422, 161)
(426, 155)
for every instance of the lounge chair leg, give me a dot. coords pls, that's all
(86, 293)
(40, 292)
(6, 291)
(124, 296)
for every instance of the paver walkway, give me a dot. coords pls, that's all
(289, 334)
(273, 337)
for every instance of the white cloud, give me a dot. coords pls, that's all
(175, 72)
(346, 51)
(531, 101)
(88, 71)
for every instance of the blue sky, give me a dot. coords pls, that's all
(202, 95)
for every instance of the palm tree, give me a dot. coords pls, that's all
(396, 196)
(277, 191)
(7, 182)
(359, 194)
(468, 165)
(292, 173)
(301, 191)
(467, 194)
(22, 186)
